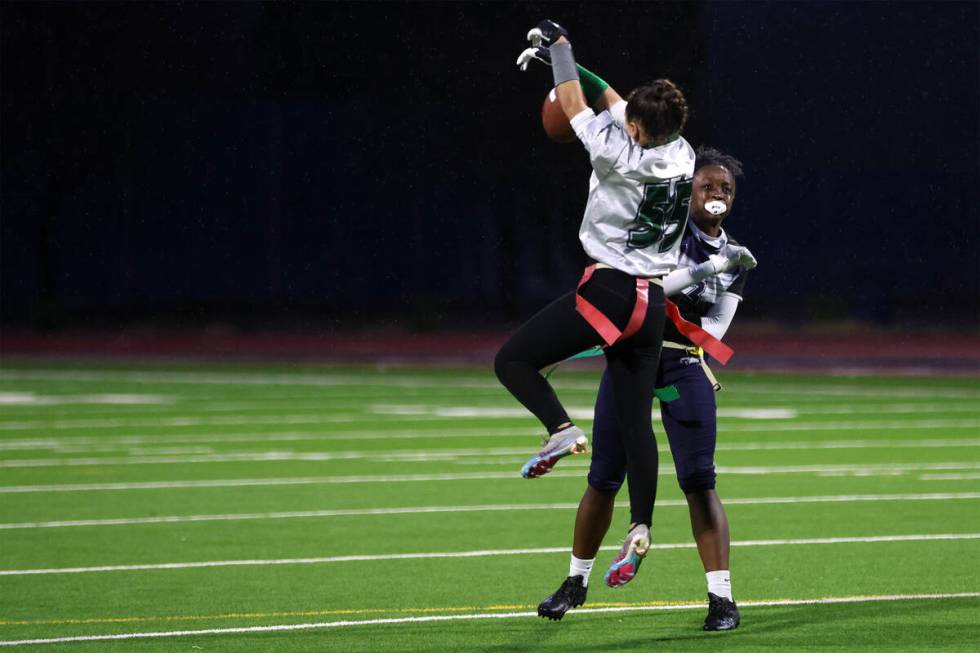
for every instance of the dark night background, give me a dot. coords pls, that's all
(339, 165)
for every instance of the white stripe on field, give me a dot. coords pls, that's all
(857, 470)
(259, 482)
(405, 381)
(414, 510)
(503, 455)
(950, 477)
(121, 422)
(118, 399)
(576, 413)
(406, 455)
(370, 378)
(483, 615)
(283, 436)
(83, 444)
(475, 554)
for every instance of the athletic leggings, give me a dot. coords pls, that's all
(559, 331)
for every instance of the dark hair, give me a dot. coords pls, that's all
(709, 156)
(659, 107)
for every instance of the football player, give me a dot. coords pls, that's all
(690, 419)
(634, 218)
(636, 213)
(707, 286)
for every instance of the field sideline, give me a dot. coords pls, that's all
(225, 507)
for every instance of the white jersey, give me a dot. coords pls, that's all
(638, 197)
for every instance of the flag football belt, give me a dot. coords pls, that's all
(610, 334)
(608, 331)
(697, 352)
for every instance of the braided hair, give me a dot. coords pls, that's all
(659, 107)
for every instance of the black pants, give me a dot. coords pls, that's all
(559, 331)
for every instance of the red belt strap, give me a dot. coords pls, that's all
(698, 336)
(602, 324)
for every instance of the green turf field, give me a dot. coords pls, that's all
(314, 508)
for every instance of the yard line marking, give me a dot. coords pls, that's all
(282, 436)
(852, 391)
(580, 413)
(576, 412)
(475, 554)
(251, 379)
(405, 455)
(414, 510)
(950, 477)
(81, 444)
(498, 455)
(113, 399)
(483, 615)
(260, 482)
(122, 422)
(859, 470)
(455, 382)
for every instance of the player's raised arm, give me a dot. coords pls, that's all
(550, 34)
(597, 91)
(567, 84)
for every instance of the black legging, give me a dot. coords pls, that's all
(559, 331)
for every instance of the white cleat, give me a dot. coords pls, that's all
(566, 442)
(627, 562)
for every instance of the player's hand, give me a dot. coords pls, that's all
(540, 53)
(739, 257)
(545, 33)
(731, 257)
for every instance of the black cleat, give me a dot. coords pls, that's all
(570, 595)
(722, 614)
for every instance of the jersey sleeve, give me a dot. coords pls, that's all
(602, 137)
(721, 314)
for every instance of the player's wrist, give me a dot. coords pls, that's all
(563, 62)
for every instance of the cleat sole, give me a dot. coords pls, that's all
(540, 466)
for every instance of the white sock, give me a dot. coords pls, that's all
(583, 568)
(720, 583)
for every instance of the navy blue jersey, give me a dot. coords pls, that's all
(697, 300)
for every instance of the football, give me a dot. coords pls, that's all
(554, 120)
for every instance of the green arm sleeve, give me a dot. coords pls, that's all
(592, 85)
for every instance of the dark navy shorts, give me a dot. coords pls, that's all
(690, 421)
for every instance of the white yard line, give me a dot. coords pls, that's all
(414, 510)
(124, 422)
(81, 444)
(371, 378)
(973, 476)
(928, 537)
(28, 444)
(480, 615)
(261, 482)
(858, 470)
(579, 413)
(477, 455)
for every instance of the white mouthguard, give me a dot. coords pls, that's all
(716, 207)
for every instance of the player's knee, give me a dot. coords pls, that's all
(605, 481)
(502, 363)
(697, 481)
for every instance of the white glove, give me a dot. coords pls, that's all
(731, 257)
(539, 53)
